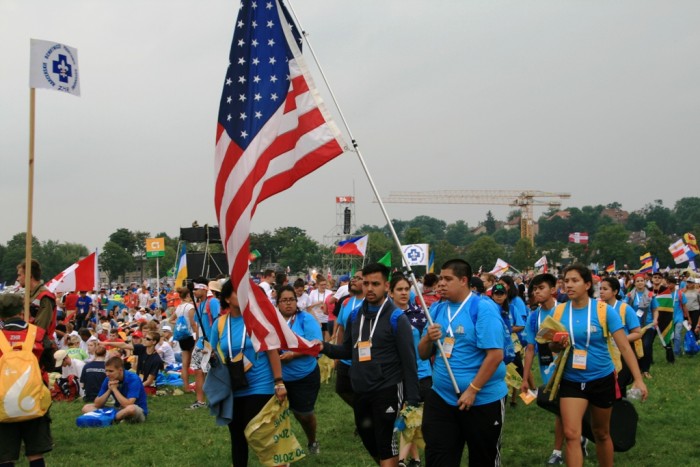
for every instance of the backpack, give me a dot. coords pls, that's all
(66, 389)
(602, 310)
(23, 395)
(508, 347)
(182, 327)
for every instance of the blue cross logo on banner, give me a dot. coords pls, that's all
(62, 68)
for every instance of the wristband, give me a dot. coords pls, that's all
(471, 385)
(278, 380)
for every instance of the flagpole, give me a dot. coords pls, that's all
(377, 196)
(30, 205)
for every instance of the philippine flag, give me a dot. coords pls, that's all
(353, 246)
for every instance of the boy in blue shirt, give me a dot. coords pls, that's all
(127, 390)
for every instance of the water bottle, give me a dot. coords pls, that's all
(634, 394)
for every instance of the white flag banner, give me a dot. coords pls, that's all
(500, 268)
(417, 254)
(54, 66)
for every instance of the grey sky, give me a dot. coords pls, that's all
(600, 99)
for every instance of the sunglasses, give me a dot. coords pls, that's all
(147, 339)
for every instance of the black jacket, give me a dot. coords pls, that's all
(393, 353)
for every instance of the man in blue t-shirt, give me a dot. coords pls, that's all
(127, 390)
(343, 387)
(206, 312)
(84, 307)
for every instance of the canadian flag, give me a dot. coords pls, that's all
(578, 237)
(76, 277)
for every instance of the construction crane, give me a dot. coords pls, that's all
(525, 200)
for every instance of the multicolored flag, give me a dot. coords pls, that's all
(692, 243)
(645, 257)
(431, 262)
(500, 268)
(254, 255)
(356, 246)
(680, 252)
(82, 275)
(181, 274)
(610, 268)
(646, 268)
(273, 130)
(542, 263)
(578, 237)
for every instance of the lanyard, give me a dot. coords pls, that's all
(451, 318)
(230, 346)
(675, 297)
(571, 324)
(290, 321)
(539, 314)
(373, 326)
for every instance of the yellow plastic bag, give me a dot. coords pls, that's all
(270, 436)
(409, 425)
(513, 379)
(326, 366)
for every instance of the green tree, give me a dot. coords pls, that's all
(659, 214)
(377, 246)
(115, 260)
(125, 239)
(508, 237)
(299, 250)
(458, 234)
(484, 252)
(444, 251)
(524, 254)
(15, 253)
(657, 244)
(687, 214)
(490, 223)
(413, 235)
(57, 256)
(554, 230)
(610, 244)
(432, 229)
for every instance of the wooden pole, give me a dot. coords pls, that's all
(30, 204)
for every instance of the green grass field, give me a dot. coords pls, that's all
(667, 434)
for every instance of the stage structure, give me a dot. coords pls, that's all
(344, 228)
(208, 263)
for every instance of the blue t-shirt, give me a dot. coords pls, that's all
(678, 298)
(471, 343)
(305, 325)
(83, 305)
(131, 387)
(351, 303)
(424, 368)
(645, 316)
(260, 378)
(631, 319)
(518, 315)
(534, 321)
(598, 361)
(201, 316)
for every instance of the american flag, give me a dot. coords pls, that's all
(272, 130)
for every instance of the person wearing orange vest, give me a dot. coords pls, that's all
(36, 432)
(43, 301)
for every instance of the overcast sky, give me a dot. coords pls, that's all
(598, 98)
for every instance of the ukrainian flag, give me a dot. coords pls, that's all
(181, 275)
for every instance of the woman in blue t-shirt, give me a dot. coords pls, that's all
(400, 293)
(300, 371)
(263, 370)
(589, 376)
(610, 294)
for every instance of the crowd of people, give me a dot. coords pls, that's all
(441, 346)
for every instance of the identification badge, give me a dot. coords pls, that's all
(579, 362)
(247, 364)
(364, 352)
(640, 313)
(447, 346)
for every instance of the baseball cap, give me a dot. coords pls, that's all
(498, 288)
(166, 328)
(60, 355)
(138, 334)
(344, 278)
(214, 286)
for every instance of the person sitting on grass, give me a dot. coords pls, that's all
(149, 362)
(127, 390)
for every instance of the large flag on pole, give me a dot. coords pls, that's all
(54, 66)
(78, 276)
(181, 274)
(272, 130)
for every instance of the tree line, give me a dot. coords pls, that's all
(652, 228)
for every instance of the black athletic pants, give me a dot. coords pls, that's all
(244, 410)
(648, 345)
(446, 429)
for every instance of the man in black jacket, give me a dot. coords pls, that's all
(383, 372)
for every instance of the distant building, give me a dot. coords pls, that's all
(619, 216)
